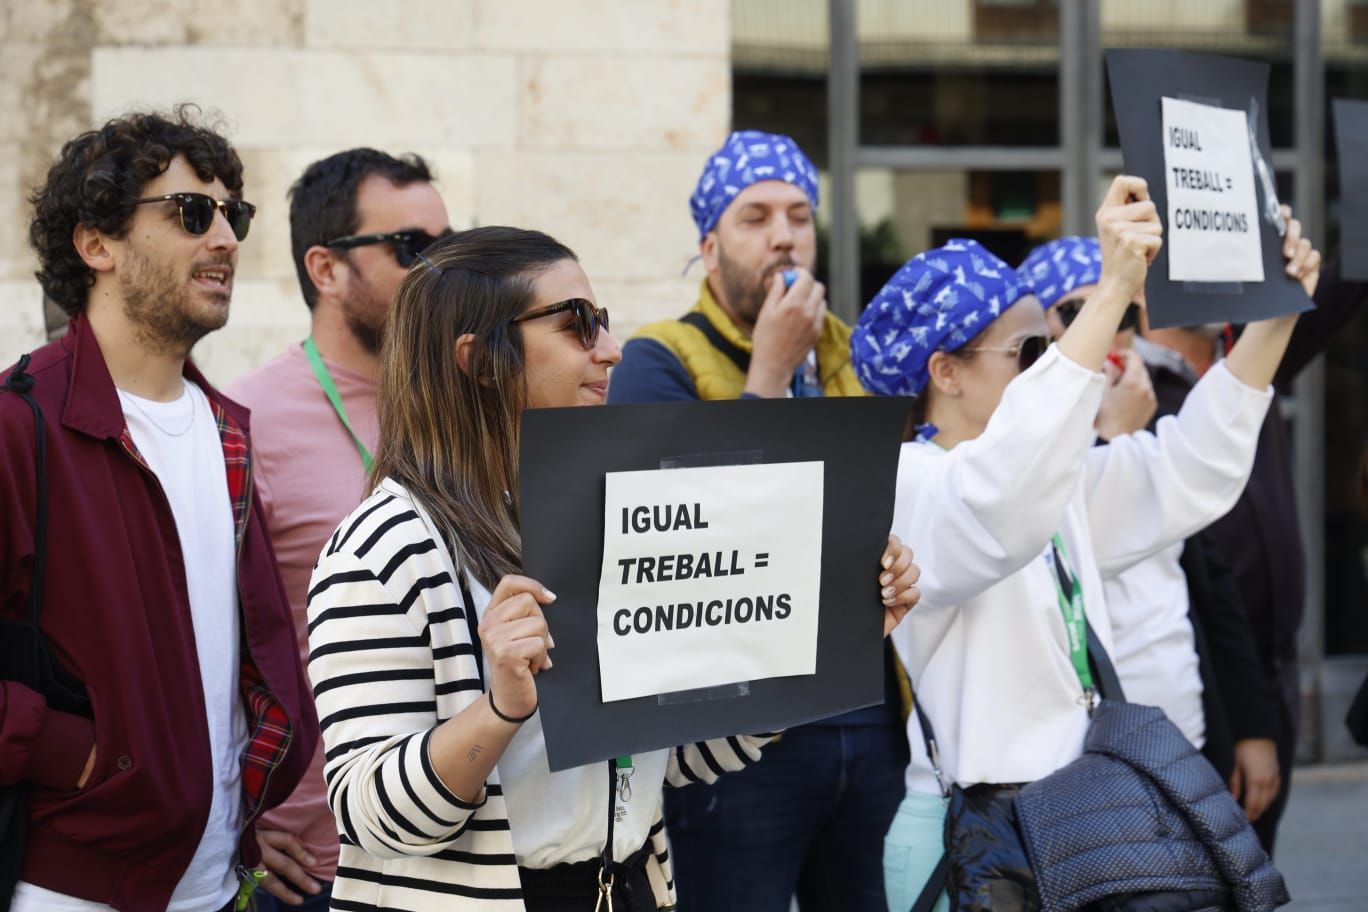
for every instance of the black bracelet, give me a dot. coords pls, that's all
(509, 719)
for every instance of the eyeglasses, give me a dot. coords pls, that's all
(197, 212)
(406, 245)
(1027, 351)
(1068, 311)
(588, 318)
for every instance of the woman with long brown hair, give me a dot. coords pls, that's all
(435, 761)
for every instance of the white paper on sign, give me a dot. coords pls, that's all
(1212, 233)
(710, 576)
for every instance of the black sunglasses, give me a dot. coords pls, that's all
(588, 318)
(1027, 351)
(1068, 311)
(406, 245)
(197, 211)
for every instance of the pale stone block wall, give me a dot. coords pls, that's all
(590, 120)
(1174, 14)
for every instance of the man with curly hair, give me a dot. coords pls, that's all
(160, 593)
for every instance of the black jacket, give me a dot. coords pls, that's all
(1239, 701)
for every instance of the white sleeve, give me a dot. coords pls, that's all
(1147, 491)
(982, 511)
(372, 672)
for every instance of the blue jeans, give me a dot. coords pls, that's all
(318, 902)
(808, 819)
(912, 849)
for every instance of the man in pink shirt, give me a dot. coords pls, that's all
(358, 220)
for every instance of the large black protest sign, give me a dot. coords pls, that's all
(1351, 141)
(1195, 126)
(715, 566)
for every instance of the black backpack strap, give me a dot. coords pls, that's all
(21, 382)
(698, 321)
(26, 653)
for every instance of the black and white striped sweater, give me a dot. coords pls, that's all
(390, 658)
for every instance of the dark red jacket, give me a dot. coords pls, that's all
(117, 616)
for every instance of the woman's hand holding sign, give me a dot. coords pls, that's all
(1303, 260)
(898, 580)
(517, 647)
(517, 643)
(1255, 358)
(1130, 235)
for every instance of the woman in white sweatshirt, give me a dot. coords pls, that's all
(1003, 489)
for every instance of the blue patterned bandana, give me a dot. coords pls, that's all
(1057, 268)
(937, 301)
(748, 157)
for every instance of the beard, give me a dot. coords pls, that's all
(365, 311)
(162, 307)
(746, 290)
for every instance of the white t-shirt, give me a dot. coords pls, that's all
(181, 444)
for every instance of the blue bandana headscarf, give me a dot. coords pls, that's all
(1057, 268)
(748, 157)
(937, 301)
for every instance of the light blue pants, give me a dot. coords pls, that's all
(913, 846)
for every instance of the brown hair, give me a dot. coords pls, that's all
(448, 435)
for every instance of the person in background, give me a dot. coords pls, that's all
(809, 819)
(162, 596)
(358, 220)
(1063, 274)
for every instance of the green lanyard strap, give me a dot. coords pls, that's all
(325, 380)
(1070, 594)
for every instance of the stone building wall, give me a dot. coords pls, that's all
(588, 119)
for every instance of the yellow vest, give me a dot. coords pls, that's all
(716, 376)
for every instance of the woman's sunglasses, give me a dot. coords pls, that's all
(588, 318)
(1026, 351)
(406, 245)
(1068, 311)
(197, 212)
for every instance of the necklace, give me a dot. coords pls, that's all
(133, 401)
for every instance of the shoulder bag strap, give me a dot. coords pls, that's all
(1108, 681)
(935, 885)
(21, 382)
(698, 321)
(940, 875)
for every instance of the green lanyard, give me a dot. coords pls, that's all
(623, 767)
(325, 380)
(1075, 619)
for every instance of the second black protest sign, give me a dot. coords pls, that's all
(1214, 225)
